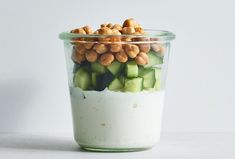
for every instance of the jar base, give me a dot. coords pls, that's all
(87, 148)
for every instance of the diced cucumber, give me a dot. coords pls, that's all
(149, 78)
(94, 78)
(141, 69)
(103, 81)
(133, 84)
(115, 85)
(97, 67)
(153, 59)
(115, 68)
(131, 69)
(157, 85)
(122, 79)
(82, 79)
(157, 73)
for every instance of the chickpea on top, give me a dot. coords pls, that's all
(106, 49)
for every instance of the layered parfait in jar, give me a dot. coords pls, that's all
(117, 79)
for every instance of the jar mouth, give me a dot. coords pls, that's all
(151, 36)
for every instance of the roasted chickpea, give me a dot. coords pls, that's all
(144, 47)
(130, 23)
(88, 45)
(91, 55)
(78, 31)
(159, 48)
(139, 30)
(105, 31)
(121, 56)
(128, 30)
(117, 26)
(115, 47)
(142, 58)
(109, 25)
(132, 50)
(115, 38)
(100, 48)
(78, 58)
(88, 29)
(106, 59)
(80, 48)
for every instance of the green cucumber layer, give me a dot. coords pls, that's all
(133, 84)
(131, 69)
(153, 59)
(115, 68)
(115, 85)
(82, 79)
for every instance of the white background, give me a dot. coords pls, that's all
(33, 84)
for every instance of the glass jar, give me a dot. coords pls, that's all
(117, 87)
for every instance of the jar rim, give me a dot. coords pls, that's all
(154, 35)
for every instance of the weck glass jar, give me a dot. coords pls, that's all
(117, 87)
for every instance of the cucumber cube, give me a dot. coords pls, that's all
(133, 84)
(148, 76)
(153, 59)
(82, 79)
(131, 69)
(115, 68)
(97, 67)
(157, 85)
(115, 85)
(94, 78)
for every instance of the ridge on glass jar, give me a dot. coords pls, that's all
(117, 88)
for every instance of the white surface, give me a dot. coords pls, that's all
(117, 120)
(172, 146)
(33, 84)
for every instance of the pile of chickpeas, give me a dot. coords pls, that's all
(107, 48)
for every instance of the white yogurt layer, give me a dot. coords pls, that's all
(115, 119)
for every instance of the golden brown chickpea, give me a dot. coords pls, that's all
(144, 47)
(88, 29)
(91, 55)
(100, 48)
(139, 30)
(117, 26)
(80, 48)
(105, 31)
(141, 58)
(115, 47)
(103, 25)
(115, 38)
(109, 25)
(128, 30)
(121, 56)
(78, 31)
(130, 23)
(106, 59)
(88, 45)
(132, 50)
(78, 58)
(159, 48)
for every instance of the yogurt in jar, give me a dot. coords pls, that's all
(116, 120)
